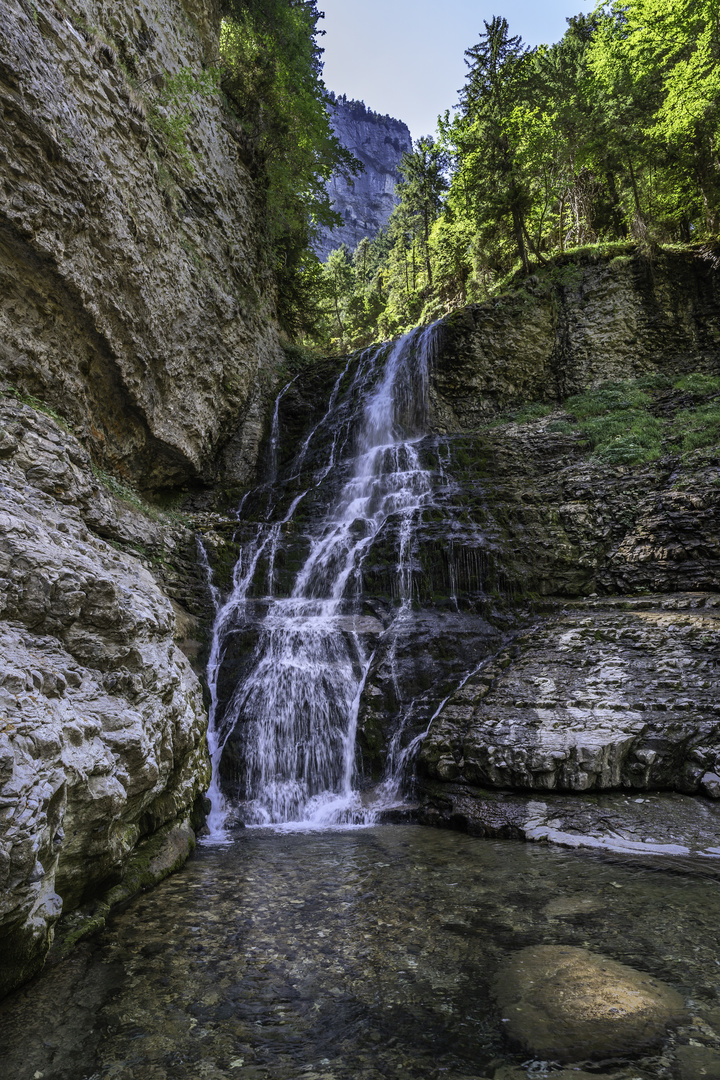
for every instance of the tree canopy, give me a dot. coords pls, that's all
(610, 135)
(271, 64)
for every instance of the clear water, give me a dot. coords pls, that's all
(298, 705)
(360, 954)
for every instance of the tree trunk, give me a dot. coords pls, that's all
(519, 231)
(428, 267)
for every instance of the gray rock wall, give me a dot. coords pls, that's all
(133, 294)
(582, 321)
(136, 306)
(365, 202)
(102, 723)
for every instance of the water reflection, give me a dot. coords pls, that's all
(360, 954)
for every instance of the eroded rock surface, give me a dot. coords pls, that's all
(102, 721)
(564, 1003)
(135, 298)
(600, 696)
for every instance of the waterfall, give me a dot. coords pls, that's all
(296, 709)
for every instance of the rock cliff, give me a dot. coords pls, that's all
(365, 202)
(138, 346)
(134, 298)
(102, 732)
(564, 633)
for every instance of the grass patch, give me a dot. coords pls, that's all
(534, 410)
(609, 397)
(698, 429)
(130, 497)
(615, 421)
(35, 403)
(699, 384)
(562, 427)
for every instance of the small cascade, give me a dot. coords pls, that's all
(295, 711)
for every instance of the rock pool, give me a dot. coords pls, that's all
(359, 954)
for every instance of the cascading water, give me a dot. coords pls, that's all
(298, 705)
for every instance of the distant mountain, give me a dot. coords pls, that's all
(365, 202)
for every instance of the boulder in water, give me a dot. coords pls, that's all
(567, 1003)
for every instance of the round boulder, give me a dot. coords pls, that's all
(565, 1003)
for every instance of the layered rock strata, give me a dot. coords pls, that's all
(583, 321)
(601, 696)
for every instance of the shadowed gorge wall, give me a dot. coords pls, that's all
(137, 325)
(135, 297)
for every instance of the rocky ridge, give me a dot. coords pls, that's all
(366, 201)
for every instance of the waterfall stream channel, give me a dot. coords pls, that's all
(295, 709)
(308, 939)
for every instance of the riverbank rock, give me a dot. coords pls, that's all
(605, 694)
(563, 1003)
(661, 829)
(102, 722)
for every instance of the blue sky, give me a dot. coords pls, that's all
(405, 57)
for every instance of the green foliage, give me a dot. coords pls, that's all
(698, 429)
(606, 142)
(627, 437)
(7, 389)
(271, 75)
(171, 113)
(534, 410)
(615, 423)
(699, 384)
(608, 398)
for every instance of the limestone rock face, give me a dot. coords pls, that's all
(133, 294)
(102, 722)
(365, 202)
(598, 320)
(565, 1003)
(601, 696)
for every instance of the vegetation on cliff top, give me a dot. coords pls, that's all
(635, 421)
(610, 136)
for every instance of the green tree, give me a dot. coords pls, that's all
(272, 78)
(657, 66)
(496, 85)
(421, 192)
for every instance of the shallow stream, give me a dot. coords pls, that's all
(359, 954)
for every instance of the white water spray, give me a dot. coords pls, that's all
(295, 713)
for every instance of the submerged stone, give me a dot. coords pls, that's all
(566, 1003)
